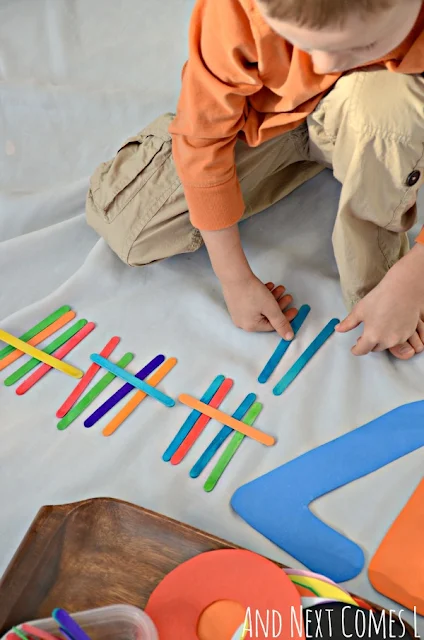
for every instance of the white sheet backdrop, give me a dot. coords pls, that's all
(76, 78)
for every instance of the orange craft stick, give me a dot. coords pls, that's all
(223, 418)
(86, 379)
(48, 331)
(127, 409)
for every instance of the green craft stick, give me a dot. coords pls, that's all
(19, 633)
(37, 329)
(231, 449)
(89, 397)
(53, 346)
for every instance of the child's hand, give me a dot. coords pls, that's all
(393, 313)
(254, 306)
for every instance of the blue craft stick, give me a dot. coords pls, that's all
(192, 419)
(278, 354)
(65, 634)
(135, 382)
(68, 625)
(221, 437)
(306, 356)
(122, 392)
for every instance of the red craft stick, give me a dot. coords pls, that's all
(201, 423)
(86, 379)
(41, 371)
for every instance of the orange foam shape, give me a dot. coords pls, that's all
(397, 569)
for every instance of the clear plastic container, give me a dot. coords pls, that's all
(117, 622)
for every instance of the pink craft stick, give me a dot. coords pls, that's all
(38, 633)
(41, 371)
(86, 379)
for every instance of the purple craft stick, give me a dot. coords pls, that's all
(122, 392)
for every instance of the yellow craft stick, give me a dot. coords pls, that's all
(223, 418)
(40, 355)
(46, 333)
(126, 410)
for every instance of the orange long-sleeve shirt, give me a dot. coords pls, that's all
(242, 80)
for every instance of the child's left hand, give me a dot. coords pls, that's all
(393, 313)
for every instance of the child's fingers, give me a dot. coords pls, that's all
(279, 321)
(364, 346)
(291, 314)
(284, 302)
(352, 321)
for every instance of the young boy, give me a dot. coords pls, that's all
(273, 91)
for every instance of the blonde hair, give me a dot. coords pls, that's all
(321, 13)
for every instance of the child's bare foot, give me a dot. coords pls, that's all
(409, 349)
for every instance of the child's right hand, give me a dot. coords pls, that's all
(254, 306)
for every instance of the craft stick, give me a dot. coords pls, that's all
(61, 353)
(87, 378)
(42, 356)
(231, 449)
(220, 416)
(46, 333)
(38, 633)
(91, 395)
(201, 423)
(69, 625)
(122, 392)
(36, 329)
(280, 351)
(192, 419)
(65, 634)
(306, 356)
(220, 438)
(135, 382)
(53, 346)
(127, 409)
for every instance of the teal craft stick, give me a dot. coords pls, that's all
(306, 356)
(51, 348)
(89, 397)
(221, 437)
(280, 351)
(31, 333)
(135, 382)
(231, 449)
(192, 419)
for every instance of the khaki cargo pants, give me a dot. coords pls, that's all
(369, 129)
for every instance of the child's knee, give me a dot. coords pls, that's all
(136, 202)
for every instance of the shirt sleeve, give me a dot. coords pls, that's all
(420, 237)
(221, 72)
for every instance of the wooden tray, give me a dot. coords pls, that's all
(95, 553)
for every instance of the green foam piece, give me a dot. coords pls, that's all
(231, 449)
(31, 333)
(51, 348)
(89, 397)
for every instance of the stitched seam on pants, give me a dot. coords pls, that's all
(137, 229)
(405, 194)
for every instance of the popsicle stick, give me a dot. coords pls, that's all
(122, 392)
(201, 423)
(127, 409)
(87, 378)
(231, 449)
(220, 438)
(36, 329)
(220, 416)
(306, 356)
(192, 419)
(280, 351)
(68, 624)
(46, 333)
(51, 348)
(91, 395)
(19, 633)
(41, 356)
(135, 382)
(38, 633)
(61, 353)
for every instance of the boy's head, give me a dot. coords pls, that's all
(342, 34)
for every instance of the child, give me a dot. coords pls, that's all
(273, 91)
